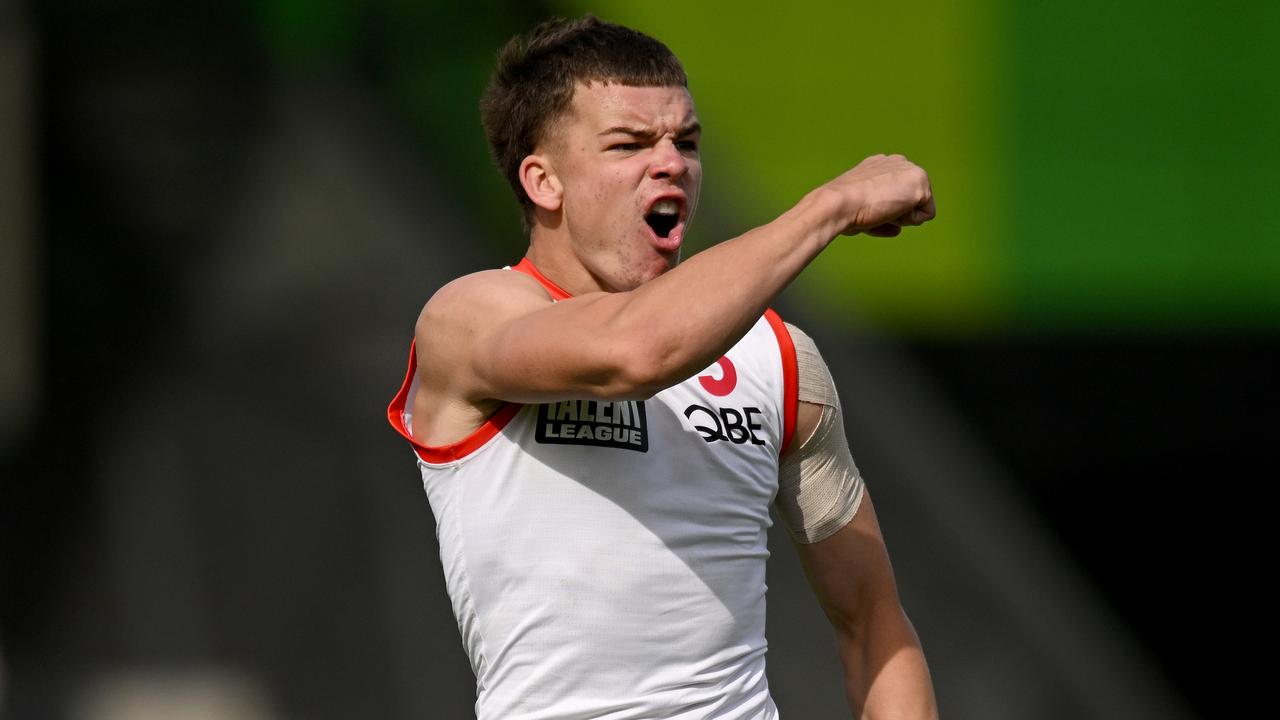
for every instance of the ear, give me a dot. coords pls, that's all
(541, 183)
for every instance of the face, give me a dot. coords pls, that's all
(627, 160)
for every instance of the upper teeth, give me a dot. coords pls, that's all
(666, 207)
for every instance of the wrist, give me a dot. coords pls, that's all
(828, 212)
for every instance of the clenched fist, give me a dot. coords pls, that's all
(881, 194)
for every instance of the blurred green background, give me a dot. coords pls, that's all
(1099, 166)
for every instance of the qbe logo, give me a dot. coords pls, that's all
(726, 423)
(594, 422)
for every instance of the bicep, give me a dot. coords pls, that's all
(570, 349)
(850, 572)
(497, 335)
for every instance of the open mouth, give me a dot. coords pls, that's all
(663, 217)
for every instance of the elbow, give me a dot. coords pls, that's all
(632, 381)
(637, 357)
(638, 371)
(856, 626)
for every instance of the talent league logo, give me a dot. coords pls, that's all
(594, 422)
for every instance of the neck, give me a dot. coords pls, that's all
(551, 251)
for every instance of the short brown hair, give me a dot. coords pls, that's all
(537, 73)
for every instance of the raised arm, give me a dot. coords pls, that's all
(510, 342)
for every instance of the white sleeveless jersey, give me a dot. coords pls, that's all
(607, 559)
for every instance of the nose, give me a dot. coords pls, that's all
(668, 161)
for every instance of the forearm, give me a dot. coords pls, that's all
(692, 314)
(885, 673)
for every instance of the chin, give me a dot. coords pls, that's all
(659, 268)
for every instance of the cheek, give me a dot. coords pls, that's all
(612, 195)
(602, 188)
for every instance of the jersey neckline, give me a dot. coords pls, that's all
(527, 267)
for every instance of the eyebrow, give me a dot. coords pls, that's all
(646, 133)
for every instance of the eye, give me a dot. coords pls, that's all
(688, 145)
(625, 147)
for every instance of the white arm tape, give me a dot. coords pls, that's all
(819, 486)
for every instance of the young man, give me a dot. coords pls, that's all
(601, 431)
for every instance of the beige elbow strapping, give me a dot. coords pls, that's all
(819, 486)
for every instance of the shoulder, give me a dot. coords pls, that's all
(810, 365)
(465, 315)
(480, 299)
(816, 387)
(798, 336)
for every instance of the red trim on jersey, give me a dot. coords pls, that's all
(455, 451)
(527, 267)
(790, 378)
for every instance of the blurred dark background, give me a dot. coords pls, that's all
(218, 222)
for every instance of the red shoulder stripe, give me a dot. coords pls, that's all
(790, 378)
(527, 267)
(455, 451)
